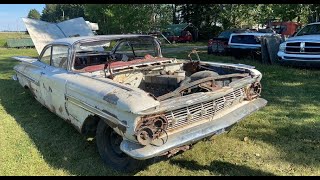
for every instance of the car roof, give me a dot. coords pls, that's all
(73, 40)
(253, 33)
(313, 23)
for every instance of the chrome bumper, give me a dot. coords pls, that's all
(194, 134)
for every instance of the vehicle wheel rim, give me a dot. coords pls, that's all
(115, 141)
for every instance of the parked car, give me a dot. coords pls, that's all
(219, 45)
(185, 37)
(243, 44)
(303, 49)
(135, 102)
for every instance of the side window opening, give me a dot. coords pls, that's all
(60, 56)
(125, 48)
(46, 57)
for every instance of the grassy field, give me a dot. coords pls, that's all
(282, 139)
(174, 45)
(7, 35)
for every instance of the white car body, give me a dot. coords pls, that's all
(148, 101)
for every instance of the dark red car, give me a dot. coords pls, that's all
(185, 36)
(219, 45)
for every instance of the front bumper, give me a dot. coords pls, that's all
(299, 59)
(191, 135)
(245, 49)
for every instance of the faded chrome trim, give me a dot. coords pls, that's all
(194, 134)
(36, 82)
(93, 110)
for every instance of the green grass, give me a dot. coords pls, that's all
(175, 45)
(7, 35)
(283, 137)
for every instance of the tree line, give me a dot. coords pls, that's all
(209, 18)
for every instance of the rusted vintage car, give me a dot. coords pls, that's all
(135, 102)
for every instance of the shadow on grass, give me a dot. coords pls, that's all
(61, 145)
(299, 143)
(221, 168)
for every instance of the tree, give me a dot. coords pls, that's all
(61, 12)
(34, 14)
(128, 18)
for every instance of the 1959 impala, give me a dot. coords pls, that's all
(137, 103)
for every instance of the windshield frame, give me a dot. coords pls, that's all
(308, 26)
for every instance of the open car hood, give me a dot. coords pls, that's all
(42, 32)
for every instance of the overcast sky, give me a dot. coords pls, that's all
(11, 14)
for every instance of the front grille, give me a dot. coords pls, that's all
(205, 110)
(294, 44)
(308, 48)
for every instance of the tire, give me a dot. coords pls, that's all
(203, 74)
(108, 143)
(197, 76)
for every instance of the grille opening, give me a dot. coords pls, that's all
(193, 113)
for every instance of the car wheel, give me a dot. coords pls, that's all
(108, 143)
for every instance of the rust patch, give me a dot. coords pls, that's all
(150, 128)
(60, 109)
(253, 91)
(111, 98)
(32, 90)
(174, 151)
(191, 67)
(53, 109)
(122, 128)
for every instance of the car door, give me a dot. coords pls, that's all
(54, 78)
(32, 73)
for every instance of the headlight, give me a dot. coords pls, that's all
(282, 47)
(150, 128)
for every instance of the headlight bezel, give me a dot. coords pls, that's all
(282, 47)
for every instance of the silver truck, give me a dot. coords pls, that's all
(303, 48)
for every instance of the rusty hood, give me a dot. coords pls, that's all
(42, 32)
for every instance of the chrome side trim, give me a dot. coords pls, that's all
(93, 110)
(36, 82)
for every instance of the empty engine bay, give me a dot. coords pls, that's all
(186, 78)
